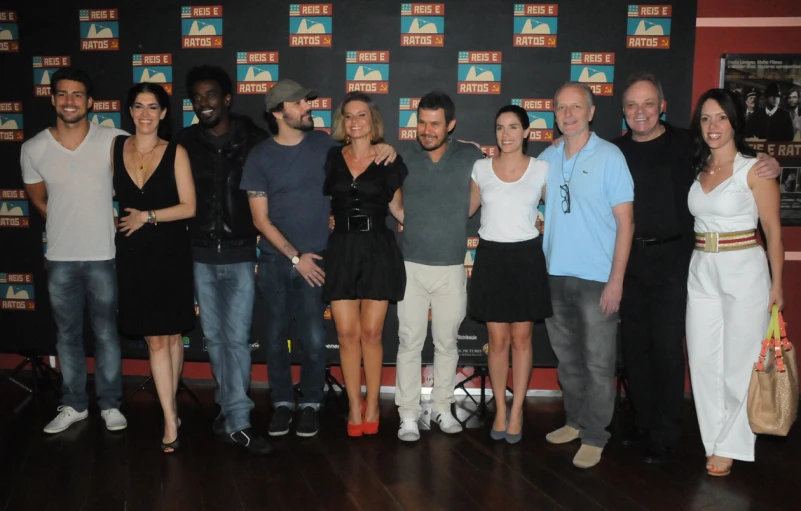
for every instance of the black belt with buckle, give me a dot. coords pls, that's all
(242, 242)
(648, 242)
(359, 223)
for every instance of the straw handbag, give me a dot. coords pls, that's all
(773, 391)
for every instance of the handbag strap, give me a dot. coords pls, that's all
(772, 341)
(783, 332)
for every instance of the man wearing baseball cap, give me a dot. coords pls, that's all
(284, 179)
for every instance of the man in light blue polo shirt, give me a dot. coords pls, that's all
(589, 223)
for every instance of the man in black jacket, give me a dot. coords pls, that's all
(659, 157)
(223, 245)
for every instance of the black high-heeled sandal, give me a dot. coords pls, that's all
(174, 445)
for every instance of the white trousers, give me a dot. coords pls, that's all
(727, 318)
(443, 290)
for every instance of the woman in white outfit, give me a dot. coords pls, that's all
(509, 285)
(730, 292)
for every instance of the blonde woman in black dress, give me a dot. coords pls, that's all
(154, 187)
(364, 267)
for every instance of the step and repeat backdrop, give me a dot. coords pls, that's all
(484, 54)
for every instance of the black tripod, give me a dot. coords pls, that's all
(481, 405)
(40, 370)
(334, 384)
(331, 392)
(181, 387)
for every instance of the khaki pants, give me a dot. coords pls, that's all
(442, 289)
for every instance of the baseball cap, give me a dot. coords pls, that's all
(286, 90)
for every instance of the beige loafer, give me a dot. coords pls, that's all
(562, 435)
(587, 456)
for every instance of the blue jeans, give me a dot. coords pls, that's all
(225, 294)
(585, 343)
(73, 284)
(286, 295)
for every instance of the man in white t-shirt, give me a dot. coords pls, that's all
(67, 175)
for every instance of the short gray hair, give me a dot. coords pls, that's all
(578, 85)
(644, 76)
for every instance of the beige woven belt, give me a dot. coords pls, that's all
(724, 241)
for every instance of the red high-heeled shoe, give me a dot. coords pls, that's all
(356, 430)
(369, 428)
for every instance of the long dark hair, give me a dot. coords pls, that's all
(521, 114)
(733, 109)
(163, 99)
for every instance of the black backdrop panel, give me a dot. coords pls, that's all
(475, 42)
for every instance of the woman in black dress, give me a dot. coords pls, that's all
(364, 267)
(153, 185)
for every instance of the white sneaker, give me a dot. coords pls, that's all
(115, 421)
(408, 431)
(448, 423)
(66, 418)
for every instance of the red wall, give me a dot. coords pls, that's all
(711, 43)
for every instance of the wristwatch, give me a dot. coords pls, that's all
(296, 259)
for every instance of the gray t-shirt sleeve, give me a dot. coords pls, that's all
(471, 151)
(254, 178)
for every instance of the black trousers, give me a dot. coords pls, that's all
(653, 312)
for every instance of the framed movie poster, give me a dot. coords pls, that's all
(769, 86)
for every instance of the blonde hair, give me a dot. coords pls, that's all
(376, 123)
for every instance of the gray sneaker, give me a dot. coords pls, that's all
(66, 418)
(115, 421)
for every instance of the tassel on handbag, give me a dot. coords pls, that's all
(773, 390)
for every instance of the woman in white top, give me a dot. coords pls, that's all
(730, 292)
(509, 284)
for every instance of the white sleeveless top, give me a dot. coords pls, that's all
(509, 210)
(730, 207)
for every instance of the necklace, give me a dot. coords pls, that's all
(141, 153)
(564, 163)
(717, 167)
(144, 158)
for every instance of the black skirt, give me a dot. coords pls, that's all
(364, 265)
(509, 283)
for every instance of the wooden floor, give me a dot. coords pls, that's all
(88, 468)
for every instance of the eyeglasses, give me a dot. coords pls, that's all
(565, 189)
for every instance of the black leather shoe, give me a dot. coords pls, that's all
(657, 454)
(634, 437)
(218, 426)
(250, 441)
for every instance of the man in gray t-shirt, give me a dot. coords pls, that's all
(436, 203)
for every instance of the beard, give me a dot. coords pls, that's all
(438, 144)
(302, 123)
(210, 123)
